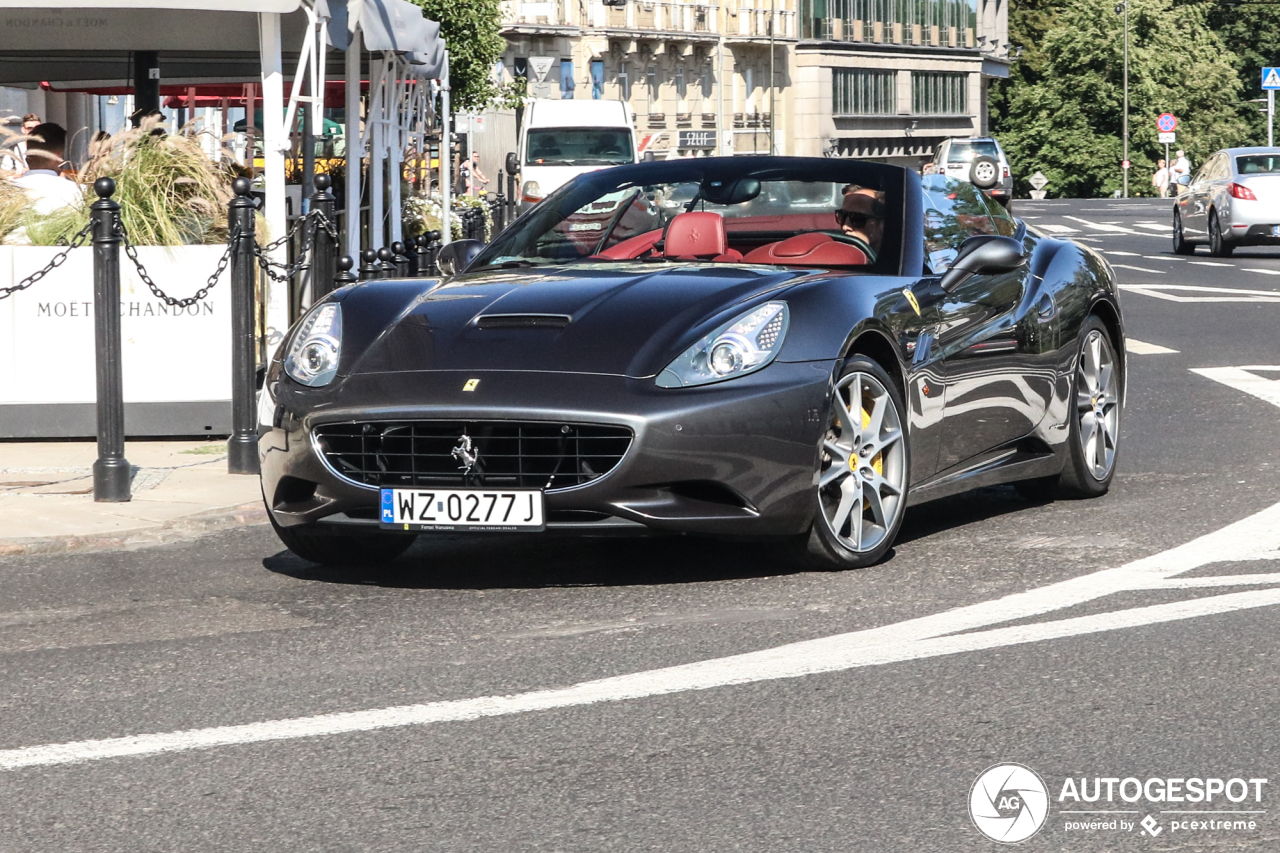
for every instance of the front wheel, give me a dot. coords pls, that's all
(1180, 244)
(862, 471)
(1095, 414)
(1218, 247)
(343, 549)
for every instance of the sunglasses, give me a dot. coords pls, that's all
(852, 218)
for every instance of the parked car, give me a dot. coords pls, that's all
(978, 160)
(1234, 200)
(800, 350)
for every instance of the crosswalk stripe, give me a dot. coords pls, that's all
(1262, 271)
(1143, 348)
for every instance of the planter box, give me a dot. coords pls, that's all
(177, 362)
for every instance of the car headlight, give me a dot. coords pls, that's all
(737, 348)
(313, 356)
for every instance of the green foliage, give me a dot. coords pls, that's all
(470, 29)
(1061, 111)
(1252, 30)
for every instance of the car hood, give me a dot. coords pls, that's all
(624, 319)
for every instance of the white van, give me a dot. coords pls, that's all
(563, 139)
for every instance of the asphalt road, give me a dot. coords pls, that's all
(1115, 638)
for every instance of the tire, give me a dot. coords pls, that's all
(1218, 247)
(1094, 415)
(1180, 244)
(851, 529)
(984, 172)
(343, 549)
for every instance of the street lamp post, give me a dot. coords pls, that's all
(1123, 8)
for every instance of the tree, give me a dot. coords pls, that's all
(471, 31)
(1252, 29)
(1064, 117)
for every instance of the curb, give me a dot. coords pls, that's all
(178, 530)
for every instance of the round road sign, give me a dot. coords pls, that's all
(1124, 164)
(1167, 123)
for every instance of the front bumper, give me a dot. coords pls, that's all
(736, 458)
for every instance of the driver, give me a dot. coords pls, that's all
(861, 217)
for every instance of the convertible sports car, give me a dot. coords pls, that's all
(773, 347)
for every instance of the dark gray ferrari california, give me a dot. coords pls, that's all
(773, 347)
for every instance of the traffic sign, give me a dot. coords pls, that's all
(1167, 138)
(1039, 181)
(1124, 164)
(1271, 78)
(1167, 123)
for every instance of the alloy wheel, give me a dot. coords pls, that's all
(984, 172)
(1098, 405)
(863, 471)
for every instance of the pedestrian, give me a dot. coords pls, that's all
(478, 178)
(1181, 166)
(46, 186)
(1160, 180)
(15, 158)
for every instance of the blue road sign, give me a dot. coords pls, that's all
(1166, 123)
(1271, 78)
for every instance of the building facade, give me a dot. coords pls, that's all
(879, 79)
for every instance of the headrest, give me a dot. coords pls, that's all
(695, 235)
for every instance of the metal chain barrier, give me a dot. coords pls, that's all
(77, 241)
(131, 252)
(313, 218)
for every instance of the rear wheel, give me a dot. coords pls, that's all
(343, 549)
(1218, 247)
(1094, 415)
(1180, 244)
(862, 471)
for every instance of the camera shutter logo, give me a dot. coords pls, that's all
(1009, 803)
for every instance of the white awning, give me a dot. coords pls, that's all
(392, 25)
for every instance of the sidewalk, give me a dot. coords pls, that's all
(181, 489)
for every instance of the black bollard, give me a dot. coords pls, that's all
(499, 212)
(369, 268)
(324, 247)
(400, 259)
(346, 274)
(388, 269)
(242, 447)
(422, 250)
(511, 197)
(111, 472)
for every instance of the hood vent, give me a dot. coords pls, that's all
(523, 321)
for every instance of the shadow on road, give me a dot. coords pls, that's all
(532, 562)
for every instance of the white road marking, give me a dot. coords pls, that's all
(1139, 269)
(1229, 294)
(1209, 264)
(1058, 229)
(1162, 258)
(1264, 272)
(1246, 379)
(1250, 539)
(1154, 226)
(1119, 254)
(1105, 227)
(1143, 348)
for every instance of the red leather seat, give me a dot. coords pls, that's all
(697, 236)
(808, 250)
(632, 247)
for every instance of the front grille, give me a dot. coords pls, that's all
(542, 455)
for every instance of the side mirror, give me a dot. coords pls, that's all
(458, 255)
(513, 163)
(985, 254)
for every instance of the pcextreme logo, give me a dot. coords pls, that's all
(1010, 803)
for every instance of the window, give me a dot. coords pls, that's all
(857, 92)
(624, 83)
(682, 90)
(597, 79)
(939, 93)
(953, 212)
(566, 79)
(651, 81)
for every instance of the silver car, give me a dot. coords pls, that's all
(980, 161)
(1234, 200)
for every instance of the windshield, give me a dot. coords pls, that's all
(964, 152)
(719, 212)
(1258, 164)
(578, 146)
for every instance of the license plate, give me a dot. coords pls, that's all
(462, 509)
